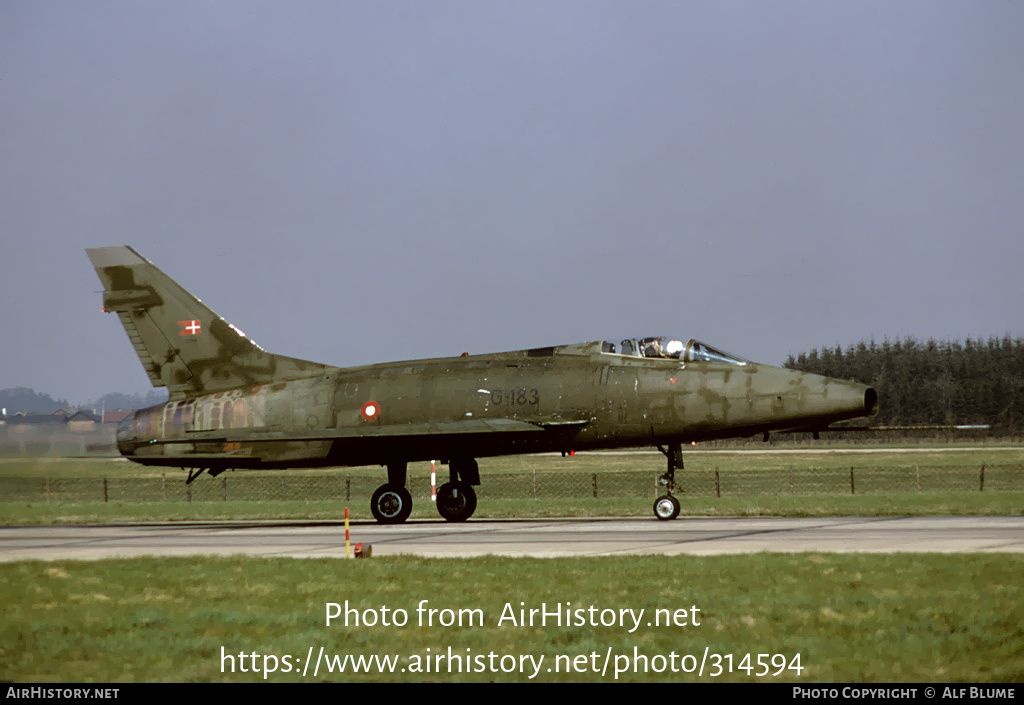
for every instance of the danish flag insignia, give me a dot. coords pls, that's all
(190, 328)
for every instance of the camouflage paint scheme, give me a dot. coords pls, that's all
(234, 405)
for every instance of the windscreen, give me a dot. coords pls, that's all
(667, 347)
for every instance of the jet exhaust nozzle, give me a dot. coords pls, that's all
(870, 401)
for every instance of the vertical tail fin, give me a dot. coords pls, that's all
(182, 344)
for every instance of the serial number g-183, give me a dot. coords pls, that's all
(515, 397)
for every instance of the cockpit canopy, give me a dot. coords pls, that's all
(671, 348)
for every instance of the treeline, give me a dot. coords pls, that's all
(25, 400)
(973, 382)
(115, 400)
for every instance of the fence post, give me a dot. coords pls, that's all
(594, 476)
(852, 489)
(718, 486)
(348, 487)
(535, 483)
(917, 469)
(163, 486)
(188, 492)
(282, 487)
(224, 487)
(105, 490)
(981, 488)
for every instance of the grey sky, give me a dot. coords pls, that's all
(355, 182)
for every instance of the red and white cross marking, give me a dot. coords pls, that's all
(190, 327)
(370, 410)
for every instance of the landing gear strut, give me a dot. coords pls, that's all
(391, 503)
(193, 473)
(667, 507)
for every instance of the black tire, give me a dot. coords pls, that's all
(456, 501)
(666, 507)
(391, 504)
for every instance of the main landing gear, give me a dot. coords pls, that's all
(391, 503)
(667, 506)
(456, 500)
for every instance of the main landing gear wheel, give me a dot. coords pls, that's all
(456, 501)
(391, 504)
(666, 507)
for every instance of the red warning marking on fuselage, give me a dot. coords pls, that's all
(370, 410)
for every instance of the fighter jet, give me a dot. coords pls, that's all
(232, 405)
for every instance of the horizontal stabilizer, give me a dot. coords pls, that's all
(856, 429)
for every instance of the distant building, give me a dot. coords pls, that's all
(23, 424)
(68, 432)
(115, 417)
(82, 421)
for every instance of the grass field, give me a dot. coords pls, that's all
(755, 482)
(752, 457)
(849, 618)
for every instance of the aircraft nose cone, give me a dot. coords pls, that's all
(850, 399)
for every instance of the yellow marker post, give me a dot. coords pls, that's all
(347, 554)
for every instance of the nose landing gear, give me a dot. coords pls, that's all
(667, 506)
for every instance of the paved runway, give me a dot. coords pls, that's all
(540, 538)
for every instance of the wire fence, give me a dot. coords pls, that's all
(522, 485)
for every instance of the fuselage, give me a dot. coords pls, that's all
(235, 405)
(575, 397)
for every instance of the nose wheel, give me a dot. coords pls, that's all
(666, 507)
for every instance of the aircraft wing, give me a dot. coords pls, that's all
(452, 428)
